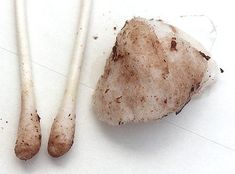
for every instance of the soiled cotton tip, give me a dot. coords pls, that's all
(154, 69)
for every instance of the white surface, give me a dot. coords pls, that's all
(199, 140)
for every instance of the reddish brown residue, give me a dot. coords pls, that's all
(204, 55)
(106, 91)
(142, 99)
(125, 25)
(95, 37)
(221, 70)
(165, 101)
(173, 44)
(114, 52)
(118, 99)
(107, 71)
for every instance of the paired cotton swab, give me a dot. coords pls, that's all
(29, 133)
(63, 127)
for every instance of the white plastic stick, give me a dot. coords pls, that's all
(63, 127)
(29, 133)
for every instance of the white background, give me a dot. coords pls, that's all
(201, 139)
